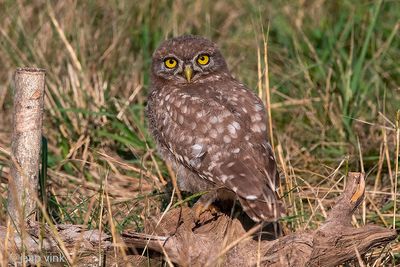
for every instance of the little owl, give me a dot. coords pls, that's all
(211, 128)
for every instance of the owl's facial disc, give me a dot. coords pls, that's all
(188, 59)
(184, 70)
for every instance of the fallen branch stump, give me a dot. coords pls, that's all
(218, 239)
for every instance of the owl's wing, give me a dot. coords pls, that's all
(249, 109)
(257, 192)
(222, 138)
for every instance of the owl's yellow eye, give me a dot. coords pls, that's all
(203, 59)
(170, 63)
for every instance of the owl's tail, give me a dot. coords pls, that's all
(259, 210)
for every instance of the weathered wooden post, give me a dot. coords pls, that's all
(26, 144)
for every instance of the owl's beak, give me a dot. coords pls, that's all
(188, 73)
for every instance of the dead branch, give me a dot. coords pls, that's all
(214, 241)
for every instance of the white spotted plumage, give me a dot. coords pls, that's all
(212, 129)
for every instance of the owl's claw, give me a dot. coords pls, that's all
(200, 208)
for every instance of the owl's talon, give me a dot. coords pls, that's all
(200, 208)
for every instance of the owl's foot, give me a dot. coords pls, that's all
(201, 207)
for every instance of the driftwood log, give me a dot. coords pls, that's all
(220, 240)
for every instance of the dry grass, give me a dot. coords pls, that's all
(328, 69)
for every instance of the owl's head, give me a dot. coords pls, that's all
(187, 59)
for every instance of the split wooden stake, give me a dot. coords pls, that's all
(26, 144)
